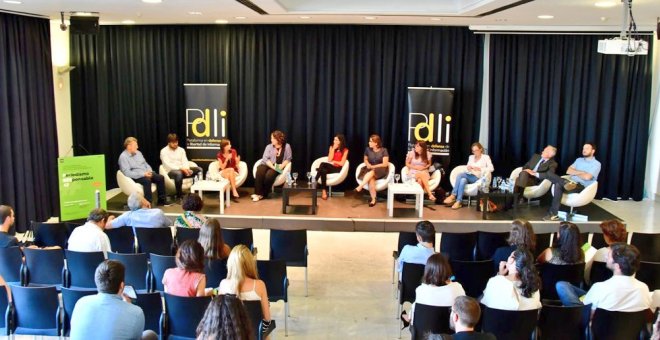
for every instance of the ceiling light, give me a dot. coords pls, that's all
(152, 1)
(305, 17)
(436, 19)
(370, 18)
(13, 2)
(83, 14)
(195, 13)
(240, 18)
(546, 16)
(221, 21)
(128, 22)
(605, 4)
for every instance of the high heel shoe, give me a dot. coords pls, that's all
(372, 204)
(405, 323)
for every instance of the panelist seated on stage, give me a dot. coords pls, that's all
(425, 247)
(140, 215)
(176, 163)
(132, 164)
(277, 156)
(376, 166)
(478, 166)
(228, 162)
(538, 168)
(90, 237)
(418, 162)
(583, 172)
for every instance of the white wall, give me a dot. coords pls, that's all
(59, 42)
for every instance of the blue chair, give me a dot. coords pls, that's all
(256, 317)
(273, 273)
(152, 306)
(69, 299)
(183, 234)
(121, 239)
(233, 237)
(4, 306)
(137, 269)
(607, 325)
(405, 238)
(216, 271)
(154, 240)
(510, 325)
(44, 267)
(80, 268)
(488, 242)
(36, 311)
(159, 264)
(50, 234)
(431, 319)
(411, 278)
(181, 316)
(458, 246)
(11, 265)
(290, 246)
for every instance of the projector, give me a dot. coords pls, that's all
(623, 46)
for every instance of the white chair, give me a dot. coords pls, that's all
(434, 181)
(129, 186)
(280, 179)
(578, 199)
(470, 190)
(534, 191)
(169, 183)
(332, 179)
(382, 183)
(214, 172)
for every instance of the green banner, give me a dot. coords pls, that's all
(82, 183)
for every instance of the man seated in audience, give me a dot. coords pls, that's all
(110, 313)
(419, 253)
(90, 237)
(133, 165)
(464, 316)
(583, 172)
(140, 215)
(536, 169)
(176, 163)
(621, 293)
(7, 217)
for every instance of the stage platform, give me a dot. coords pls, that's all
(351, 212)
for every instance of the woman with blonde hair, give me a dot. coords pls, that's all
(478, 165)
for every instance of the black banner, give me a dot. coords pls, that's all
(430, 113)
(206, 121)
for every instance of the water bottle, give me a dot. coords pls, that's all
(484, 184)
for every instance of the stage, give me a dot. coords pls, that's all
(351, 212)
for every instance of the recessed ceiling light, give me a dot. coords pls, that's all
(436, 19)
(83, 14)
(305, 17)
(240, 18)
(128, 22)
(152, 1)
(195, 13)
(605, 4)
(13, 2)
(546, 16)
(370, 18)
(221, 21)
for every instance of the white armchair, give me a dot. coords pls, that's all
(280, 179)
(434, 181)
(214, 172)
(129, 186)
(169, 183)
(579, 199)
(534, 191)
(471, 189)
(382, 183)
(333, 179)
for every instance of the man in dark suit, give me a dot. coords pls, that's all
(537, 169)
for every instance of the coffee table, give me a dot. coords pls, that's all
(287, 189)
(405, 189)
(222, 187)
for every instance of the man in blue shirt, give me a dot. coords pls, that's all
(583, 172)
(140, 216)
(133, 165)
(108, 314)
(419, 253)
(7, 218)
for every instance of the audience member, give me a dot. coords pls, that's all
(210, 237)
(536, 170)
(176, 163)
(478, 165)
(567, 248)
(188, 278)
(277, 156)
(516, 286)
(140, 215)
(90, 236)
(425, 247)
(418, 162)
(225, 318)
(613, 232)
(376, 166)
(7, 217)
(105, 315)
(4, 284)
(520, 235)
(337, 155)
(192, 204)
(464, 316)
(132, 164)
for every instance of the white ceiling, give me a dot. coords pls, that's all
(572, 15)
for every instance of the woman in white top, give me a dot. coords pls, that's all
(516, 285)
(242, 280)
(418, 162)
(477, 166)
(436, 289)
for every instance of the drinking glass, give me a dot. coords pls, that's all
(295, 178)
(397, 177)
(309, 177)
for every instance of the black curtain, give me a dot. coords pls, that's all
(28, 175)
(308, 81)
(556, 89)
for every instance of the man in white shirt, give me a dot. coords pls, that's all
(140, 215)
(176, 163)
(90, 236)
(621, 293)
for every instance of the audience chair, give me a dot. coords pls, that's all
(458, 246)
(411, 278)
(332, 179)
(290, 246)
(488, 242)
(566, 323)
(50, 234)
(648, 245)
(44, 267)
(4, 307)
(182, 315)
(599, 272)
(649, 273)
(273, 273)
(280, 179)
(11, 265)
(553, 273)
(80, 268)
(169, 182)
(121, 239)
(405, 238)
(382, 183)
(137, 269)
(129, 186)
(470, 190)
(154, 240)
(434, 181)
(510, 325)
(184, 234)
(534, 191)
(214, 172)
(578, 199)
(233, 237)
(36, 311)
(255, 314)
(152, 306)
(159, 264)
(430, 319)
(69, 299)
(216, 271)
(607, 325)
(473, 275)
(598, 241)
(542, 242)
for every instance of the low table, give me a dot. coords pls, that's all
(222, 187)
(405, 189)
(287, 189)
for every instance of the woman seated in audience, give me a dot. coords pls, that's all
(436, 289)
(210, 237)
(516, 285)
(337, 155)
(613, 232)
(242, 280)
(277, 156)
(228, 161)
(225, 318)
(418, 162)
(192, 204)
(567, 248)
(377, 165)
(520, 235)
(188, 278)
(478, 166)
